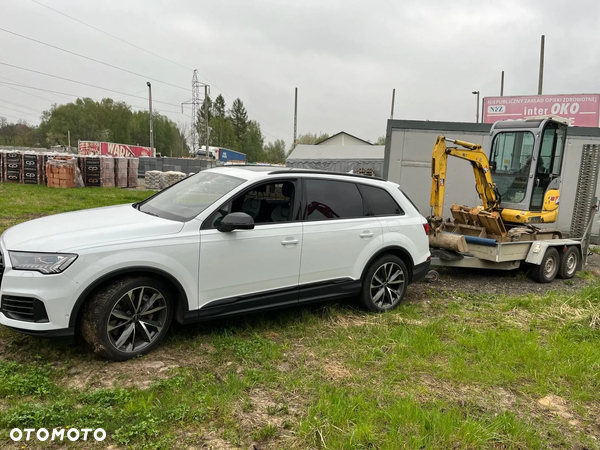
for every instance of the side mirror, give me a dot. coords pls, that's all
(236, 221)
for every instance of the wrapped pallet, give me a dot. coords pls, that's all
(2, 155)
(90, 169)
(132, 172)
(107, 171)
(63, 172)
(153, 180)
(171, 177)
(121, 172)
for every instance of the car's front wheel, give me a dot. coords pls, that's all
(384, 284)
(128, 317)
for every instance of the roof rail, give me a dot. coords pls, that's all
(324, 172)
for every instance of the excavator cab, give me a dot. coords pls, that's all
(525, 163)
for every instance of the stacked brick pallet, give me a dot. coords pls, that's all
(63, 172)
(132, 172)
(121, 172)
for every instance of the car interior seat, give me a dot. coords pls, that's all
(281, 213)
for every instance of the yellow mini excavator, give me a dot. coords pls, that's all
(518, 183)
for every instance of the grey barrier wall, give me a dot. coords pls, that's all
(407, 161)
(185, 165)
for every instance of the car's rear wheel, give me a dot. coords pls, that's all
(384, 284)
(127, 317)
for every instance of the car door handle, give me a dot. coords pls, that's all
(289, 241)
(366, 234)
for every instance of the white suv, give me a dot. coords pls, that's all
(227, 241)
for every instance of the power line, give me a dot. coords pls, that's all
(21, 112)
(82, 83)
(20, 106)
(92, 59)
(28, 93)
(151, 53)
(111, 35)
(3, 83)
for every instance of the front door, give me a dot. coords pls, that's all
(247, 270)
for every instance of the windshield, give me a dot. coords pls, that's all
(188, 198)
(510, 164)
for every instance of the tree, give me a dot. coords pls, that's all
(254, 142)
(219, 108)
(239, 120)
(380, 140)
(308, 139)
(202, 120)
(275, 152)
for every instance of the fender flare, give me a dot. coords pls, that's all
(120, 272)
(389, 249)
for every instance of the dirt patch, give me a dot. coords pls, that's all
(139, 373)
(336, 371)
(558, 407)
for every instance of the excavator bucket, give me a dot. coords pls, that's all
(490, 221)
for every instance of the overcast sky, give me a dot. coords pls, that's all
(345, 57)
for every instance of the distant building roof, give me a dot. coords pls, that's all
(343, 138)
(354, 152)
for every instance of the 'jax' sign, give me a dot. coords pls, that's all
(112, 149)
(582, 110)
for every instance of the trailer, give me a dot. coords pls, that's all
(226, 155)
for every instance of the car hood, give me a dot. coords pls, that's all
(86, 228)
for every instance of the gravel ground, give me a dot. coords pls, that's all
(499, 282)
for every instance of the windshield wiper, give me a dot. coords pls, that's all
(149, 213)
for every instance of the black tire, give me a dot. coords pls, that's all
(384, 284)
(127, 317)
(547, 270)
(569, 262)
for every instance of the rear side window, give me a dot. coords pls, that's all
(328, 199)
(380, 201)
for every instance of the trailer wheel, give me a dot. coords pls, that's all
(547, 270)
(569, 261)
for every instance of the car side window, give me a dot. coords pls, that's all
(265, 203)
(328, 199)
(380, 201)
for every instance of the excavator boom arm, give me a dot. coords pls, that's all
(475, 155)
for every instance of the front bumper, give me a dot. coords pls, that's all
(57, 293)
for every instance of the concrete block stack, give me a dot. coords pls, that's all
(2, 166)
(121, 172)
(34, 168)
(132, 172)
(107, 171)
(90, 169)
(13, 167)
(153, 180)
(63, 172)
(171, 177)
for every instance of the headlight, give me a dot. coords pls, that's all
(46, 263)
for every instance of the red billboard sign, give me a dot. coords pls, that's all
(112, 149)
(582, 110)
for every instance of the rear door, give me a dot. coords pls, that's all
(339, 235)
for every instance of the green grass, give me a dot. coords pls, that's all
(19, 203)
(465, 371)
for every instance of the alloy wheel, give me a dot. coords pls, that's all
(137, 319)
(387, 285)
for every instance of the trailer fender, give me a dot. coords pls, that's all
(538, 250)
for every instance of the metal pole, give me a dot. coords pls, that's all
(150, 108)
(541, 80)
(476, 106)
(206, 115)
(502, 85)
(69, 140)
(295, 117)
(393, 101)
